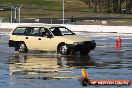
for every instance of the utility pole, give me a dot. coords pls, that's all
(12, 13)
(15, 14)
(15, 17)
(63, 13)
(19, 17)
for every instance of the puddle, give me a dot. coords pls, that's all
(49, 70)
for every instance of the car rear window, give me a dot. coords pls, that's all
(19, 31)
(25, 31)
(29, 31)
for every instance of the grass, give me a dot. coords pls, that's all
(52, 9)
(30, 3)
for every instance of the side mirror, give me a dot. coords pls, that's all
(74, 34)
(43, 34)
(49, 35)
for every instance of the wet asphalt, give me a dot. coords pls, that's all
(49, 70)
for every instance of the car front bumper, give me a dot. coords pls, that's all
(89, 45)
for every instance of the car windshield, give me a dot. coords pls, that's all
(60, 31)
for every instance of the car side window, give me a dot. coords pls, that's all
(34, 31)
(28, 31)
(64, 31)
(56, 31)
(43, 32)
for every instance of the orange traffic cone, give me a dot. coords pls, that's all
(119, 39)
(84, 74)
(84, 80)
(118, 42)
(117, 45)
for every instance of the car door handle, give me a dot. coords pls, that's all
(39, 39)
(26, 37)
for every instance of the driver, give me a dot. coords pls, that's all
(57, 32)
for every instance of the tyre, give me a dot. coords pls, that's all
(22, 48)
(63, 49)
(84, 52)
(16, 48)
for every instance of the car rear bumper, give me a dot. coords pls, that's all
(12, 43)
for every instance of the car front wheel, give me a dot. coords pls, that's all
(23, 48)
(63, 49)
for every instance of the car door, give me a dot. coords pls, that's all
(31, 39)
(45, 43)
(18, 34)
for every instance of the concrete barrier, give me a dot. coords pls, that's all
(14, 25)
(87, 28)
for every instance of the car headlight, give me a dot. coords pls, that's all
(93, 41)
(78, 43)
(75, 43)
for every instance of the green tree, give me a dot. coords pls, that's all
(115, 6)
(129, 6)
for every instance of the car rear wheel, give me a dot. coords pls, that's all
(63, 49)
(22, 48)
(84, 52)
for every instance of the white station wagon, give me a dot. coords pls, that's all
(49, 38)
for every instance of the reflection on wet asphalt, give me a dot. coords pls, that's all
(49, 70)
